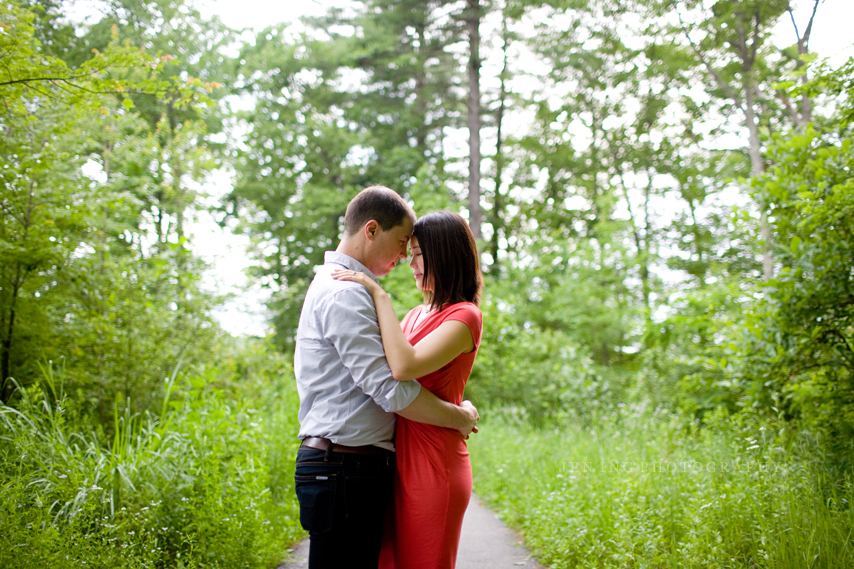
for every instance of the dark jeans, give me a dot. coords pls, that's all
(343, 500)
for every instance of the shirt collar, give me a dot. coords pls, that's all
(348, 262)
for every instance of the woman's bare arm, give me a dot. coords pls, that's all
(406, 361)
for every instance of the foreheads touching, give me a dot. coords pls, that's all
(377, 228)
(379, 204)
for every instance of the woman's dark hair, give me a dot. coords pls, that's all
(450, 259)
(379, 203)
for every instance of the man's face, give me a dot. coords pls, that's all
(388, 247)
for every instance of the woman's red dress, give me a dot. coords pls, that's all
(432, 485)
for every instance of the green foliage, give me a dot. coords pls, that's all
(691, 357)
(623, 271)
(542, 374)
(798, 349)
(356, 99)
(293, 177)
(206, 483)
(79, 274)
(119, 335)
(638, 490)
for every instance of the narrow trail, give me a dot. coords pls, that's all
(486, 543)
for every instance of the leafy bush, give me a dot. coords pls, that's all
(787, 350)
(691, 356)
(640, 490)
(207, 482)
(799, 347)
(542, 373)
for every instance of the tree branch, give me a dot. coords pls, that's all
(789, 109)
(794, 23)
(808, 31)
(31, 80)
(755, 44)
(718, 79)
(803, 48)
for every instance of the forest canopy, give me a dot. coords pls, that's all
(662, 195)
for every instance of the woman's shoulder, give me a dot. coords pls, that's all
(469, 314)
(463, 308)
(468, 306)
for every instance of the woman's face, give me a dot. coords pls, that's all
(417, 265)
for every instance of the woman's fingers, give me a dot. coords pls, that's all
(346, 275)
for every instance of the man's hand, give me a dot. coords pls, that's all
(471, 416)
(429, 409)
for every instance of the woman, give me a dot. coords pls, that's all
(436, 343)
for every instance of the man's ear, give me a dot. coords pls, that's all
(372, 229)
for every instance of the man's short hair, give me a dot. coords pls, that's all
(379, 203)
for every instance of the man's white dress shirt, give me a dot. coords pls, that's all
(346, 390)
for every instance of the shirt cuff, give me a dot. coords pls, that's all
(402, 395)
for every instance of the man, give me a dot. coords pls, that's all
(348, 397)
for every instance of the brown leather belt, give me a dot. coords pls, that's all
(323, 444)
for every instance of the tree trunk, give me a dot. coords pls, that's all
(420, 96)
(641, 244)
(747, 54)
(21, 274)
(6, 365)
(757, 166)
(645, 256)
(498, 202)
(473, 21)
(803, 49)
(102, 255)
(695, 229)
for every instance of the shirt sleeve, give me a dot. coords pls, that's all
(470, 315)
(350, 323)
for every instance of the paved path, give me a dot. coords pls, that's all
(486, 543)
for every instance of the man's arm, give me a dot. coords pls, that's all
(429, 409)
(351, 325)
(349, 322)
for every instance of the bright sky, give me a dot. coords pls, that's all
(245, 313)
(258, 14)
(831, 36)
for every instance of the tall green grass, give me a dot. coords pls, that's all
(642, 491)
(206, 482)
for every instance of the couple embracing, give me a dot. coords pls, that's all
(383, 475)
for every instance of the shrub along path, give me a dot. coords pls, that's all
(486, 543)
